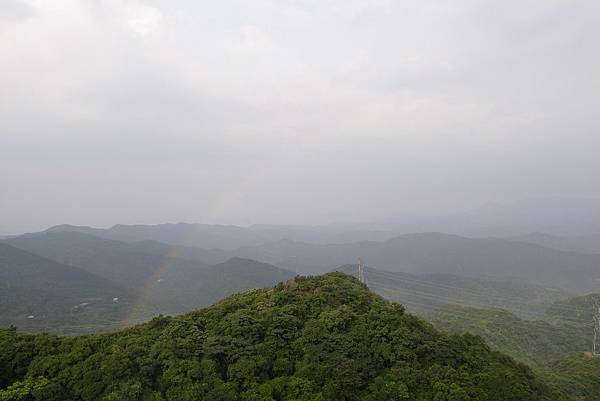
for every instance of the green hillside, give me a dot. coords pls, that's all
(39, 294)
(577, 377)
(557, 348)
(324, 338)
(534, 342)
(576, 310)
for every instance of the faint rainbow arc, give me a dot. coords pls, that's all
(149, 283)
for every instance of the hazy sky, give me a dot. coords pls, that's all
(292, 111)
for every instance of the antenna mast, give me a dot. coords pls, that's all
(596, 312)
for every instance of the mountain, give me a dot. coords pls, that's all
(202, 235)
(534, 342)
(229, 237)
(319, 338)
(556, 216)
(440, 253)
(582, 244)
(423, 293)
(557, 347)
(159, 281)
(117, 261)
(412, 253)
(180, 290)
(41, 294)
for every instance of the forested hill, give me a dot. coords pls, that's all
(557, 348)
(320, 338)
(41, 294)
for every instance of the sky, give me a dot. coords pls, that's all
(296, 112)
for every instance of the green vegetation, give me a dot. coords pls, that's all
(576, 311)
(324, 338)
(533, 342)
(577, 376)
(40, 294)
(75, 292)
(555, 347)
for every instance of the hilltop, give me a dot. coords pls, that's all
(319, 338)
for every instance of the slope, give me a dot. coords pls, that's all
(117, 261)
(180, 290)
(320, 338)
(41, 294)
(159, 281)
(534, 342)
(557, 348)
(575, 310)
(577, 377)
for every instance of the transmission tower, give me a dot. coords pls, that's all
(596, 312)
(361, 271)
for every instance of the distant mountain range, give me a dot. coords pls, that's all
(582, 243)
(423, 293)
(441, 253)
(210, 236)
(425, 271)
(71, 272)
(423, 253)
(555, 216)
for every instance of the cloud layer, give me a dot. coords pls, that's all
(292, 111)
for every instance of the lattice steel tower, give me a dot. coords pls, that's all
(361, 271)
(596, 314)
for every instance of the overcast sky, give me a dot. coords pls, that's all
(292, 111)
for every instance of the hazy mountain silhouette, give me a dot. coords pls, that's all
(582, 244)
(422, 293)
(153, 274)
(209, 236)
(411, 253)
(441, 253)
(41, 294)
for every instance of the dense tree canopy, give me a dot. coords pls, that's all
(323, 338)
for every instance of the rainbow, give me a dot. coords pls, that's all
(142, 295)
(216, 209)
